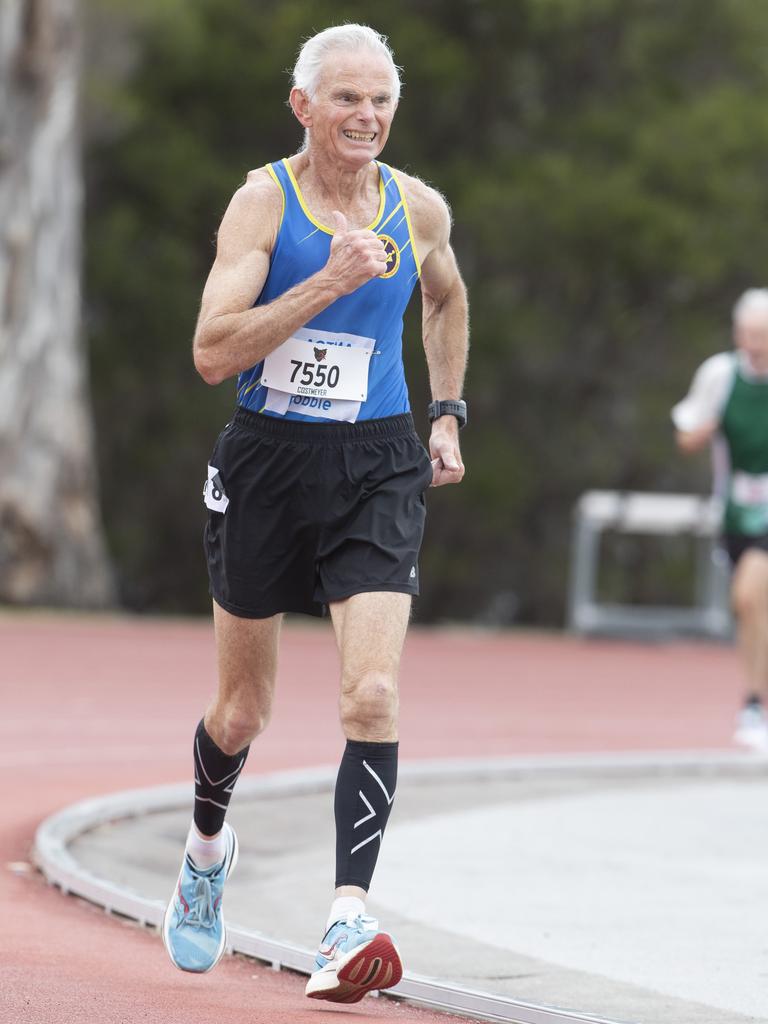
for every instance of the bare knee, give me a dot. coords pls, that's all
(369, 705)
(749, 602)
(232, 725)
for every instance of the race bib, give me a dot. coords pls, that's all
(214, 495)
(325, 408)
(320, 364)
(749, 489)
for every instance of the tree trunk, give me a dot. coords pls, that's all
(51, 545)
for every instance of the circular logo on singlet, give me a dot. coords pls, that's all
(393, 256)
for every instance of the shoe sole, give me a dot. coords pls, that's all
(169, 910)
(753, 739)
(374, 965)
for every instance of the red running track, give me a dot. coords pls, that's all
(97, 704)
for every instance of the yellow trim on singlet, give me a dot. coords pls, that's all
(389, 218)
(250, 388)
(279, 184)
(308, 214)
(411, 233)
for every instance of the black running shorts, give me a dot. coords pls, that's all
(737, 543)
(302, 514)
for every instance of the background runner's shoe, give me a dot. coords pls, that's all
(354, 958)
(193, 926)
(752, 727)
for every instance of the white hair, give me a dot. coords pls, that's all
(754, 300)
(306, 73)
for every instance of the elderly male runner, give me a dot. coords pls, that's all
(315, 488)
(728, 404)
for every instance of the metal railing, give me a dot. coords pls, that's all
(634, 512)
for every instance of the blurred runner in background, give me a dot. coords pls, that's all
(727, 406)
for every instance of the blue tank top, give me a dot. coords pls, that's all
(375, 310)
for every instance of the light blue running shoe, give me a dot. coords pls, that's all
(354, 958)
(193, 925)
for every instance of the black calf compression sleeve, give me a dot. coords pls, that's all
(365, 789)
(215, 776)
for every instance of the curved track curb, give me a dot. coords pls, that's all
(52, 855)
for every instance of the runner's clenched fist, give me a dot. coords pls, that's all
(356, 256)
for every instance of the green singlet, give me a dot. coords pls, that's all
(744, 426)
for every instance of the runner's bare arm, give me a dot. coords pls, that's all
(691, 441)
(232, 334)
(445, 323)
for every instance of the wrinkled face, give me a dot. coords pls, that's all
(750, 334)
(351, 112)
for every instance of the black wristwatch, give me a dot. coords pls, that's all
(448, 407)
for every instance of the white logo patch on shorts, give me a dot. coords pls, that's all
(214, 495)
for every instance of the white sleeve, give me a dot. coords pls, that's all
(708, 394)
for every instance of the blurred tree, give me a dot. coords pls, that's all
(606, 163)
(51, 548)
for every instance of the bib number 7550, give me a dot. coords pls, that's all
(314, 375)
(308, 364)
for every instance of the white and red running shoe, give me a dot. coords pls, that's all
(354, 958)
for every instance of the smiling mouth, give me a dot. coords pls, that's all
(359, 136)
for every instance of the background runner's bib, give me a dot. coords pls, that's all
(745, 428)
(369, 321)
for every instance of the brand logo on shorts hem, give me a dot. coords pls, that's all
(412, 574)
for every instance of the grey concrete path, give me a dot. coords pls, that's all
(637, 899)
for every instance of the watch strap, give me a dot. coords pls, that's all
(448, 407)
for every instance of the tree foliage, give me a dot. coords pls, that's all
(606, 164)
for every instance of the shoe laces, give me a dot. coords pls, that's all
(201, 913)
(363, 922)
